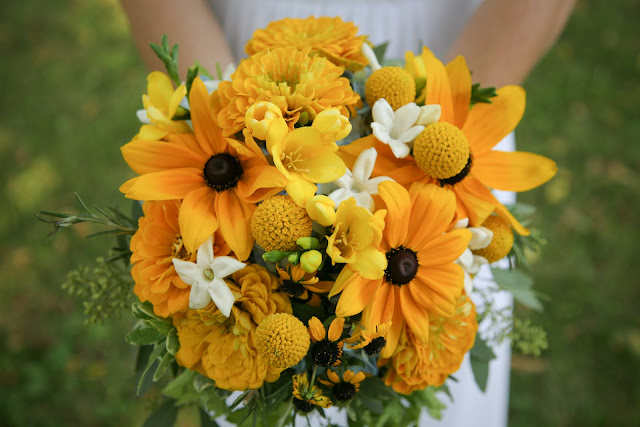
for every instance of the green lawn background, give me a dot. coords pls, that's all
(71, 82)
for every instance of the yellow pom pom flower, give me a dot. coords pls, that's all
(441, 150)
(502, 239)
(391, 83)
(282, 340)
(278, 222)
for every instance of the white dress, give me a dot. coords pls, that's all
(406, 25)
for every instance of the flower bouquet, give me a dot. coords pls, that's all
(306, 230)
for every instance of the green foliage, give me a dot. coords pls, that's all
(169, 57)
(523, 245)
(380, 51)
(480, 355)
(482, 94)
(520, 285)
(105, 289)
(527, 338)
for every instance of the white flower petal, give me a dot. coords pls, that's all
(480, 237)
(405, 117)
(383, 113)
(371, 186)
(429, 114)
(363, 167)
(142, 117)
(466, 259)
(371, 56)
(381, 133)
(364, 199)
(399, 149)
(221, 295)
(228, 71)
(345, 181)
(478, 262)
(199, 297)
(468, 283)
(223, 266)
(211, 85)
(340, 195)
(189, 272)
(461, 224)
(410, 134)
(205, 253)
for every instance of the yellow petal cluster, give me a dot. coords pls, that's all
(297, 82)
(415, 366)
(161, 103)
(355, 239)
(391, 83)
(282, 340)
(441, 150)
(502, 240)
(259, 118)
(223, 348)
(321, 209)
(278, 222)
(331, 38)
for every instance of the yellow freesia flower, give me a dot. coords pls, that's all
(161, 104)
(304, 157)
(356, 236)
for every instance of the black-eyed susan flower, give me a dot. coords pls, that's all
(421, 278)
(326, 349)
(343, 390)
(305, 397)
(218, 179)
(300, 285)
(501, 242)
(372, 341)
(483, 126)
(281, 340)
(278, 222)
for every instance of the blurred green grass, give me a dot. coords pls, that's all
(71, 82)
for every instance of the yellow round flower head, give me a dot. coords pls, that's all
(391, 83)
(278, 222)
(282, 340)
(502, 239)
(441, 150)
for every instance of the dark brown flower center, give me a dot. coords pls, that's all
(459, 176)
(325, 353)
(375, 346)
(296, 291)
(222, 171)
(343, 391)
(402, 266)
(303, 405)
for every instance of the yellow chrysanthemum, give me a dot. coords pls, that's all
(441, 150)
(306, 398)
(501, 242)
(415, 366)
(331, 38)
(343, 390)
(282, 340)
(297, 82)
(391, 83)
(278, 222)
(156, 242)
(223, 348)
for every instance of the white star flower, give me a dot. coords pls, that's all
(357, 184)
(470, 263)
(206, 278)
(396, 128)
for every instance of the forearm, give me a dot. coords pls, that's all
(190, 23)
(505, 39)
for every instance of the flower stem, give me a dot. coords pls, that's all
(286, 413)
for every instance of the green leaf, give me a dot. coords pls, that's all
(181, 114)
(520, 285)
(482, 95)
(180, 385)
(169, 57)
(173, 344)
(162, 367)
(380, 51)
(192, 73)
(157, 352)
(164, 416)
(434, 405)
(239, 416)
(480, 355)
(144, 336)
(160, 325)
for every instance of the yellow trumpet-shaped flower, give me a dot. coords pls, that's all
(356, 236)
(160, 104)
(304, 157)
(321, 209)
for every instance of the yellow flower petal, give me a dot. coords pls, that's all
(197, 218)
(513, 171)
